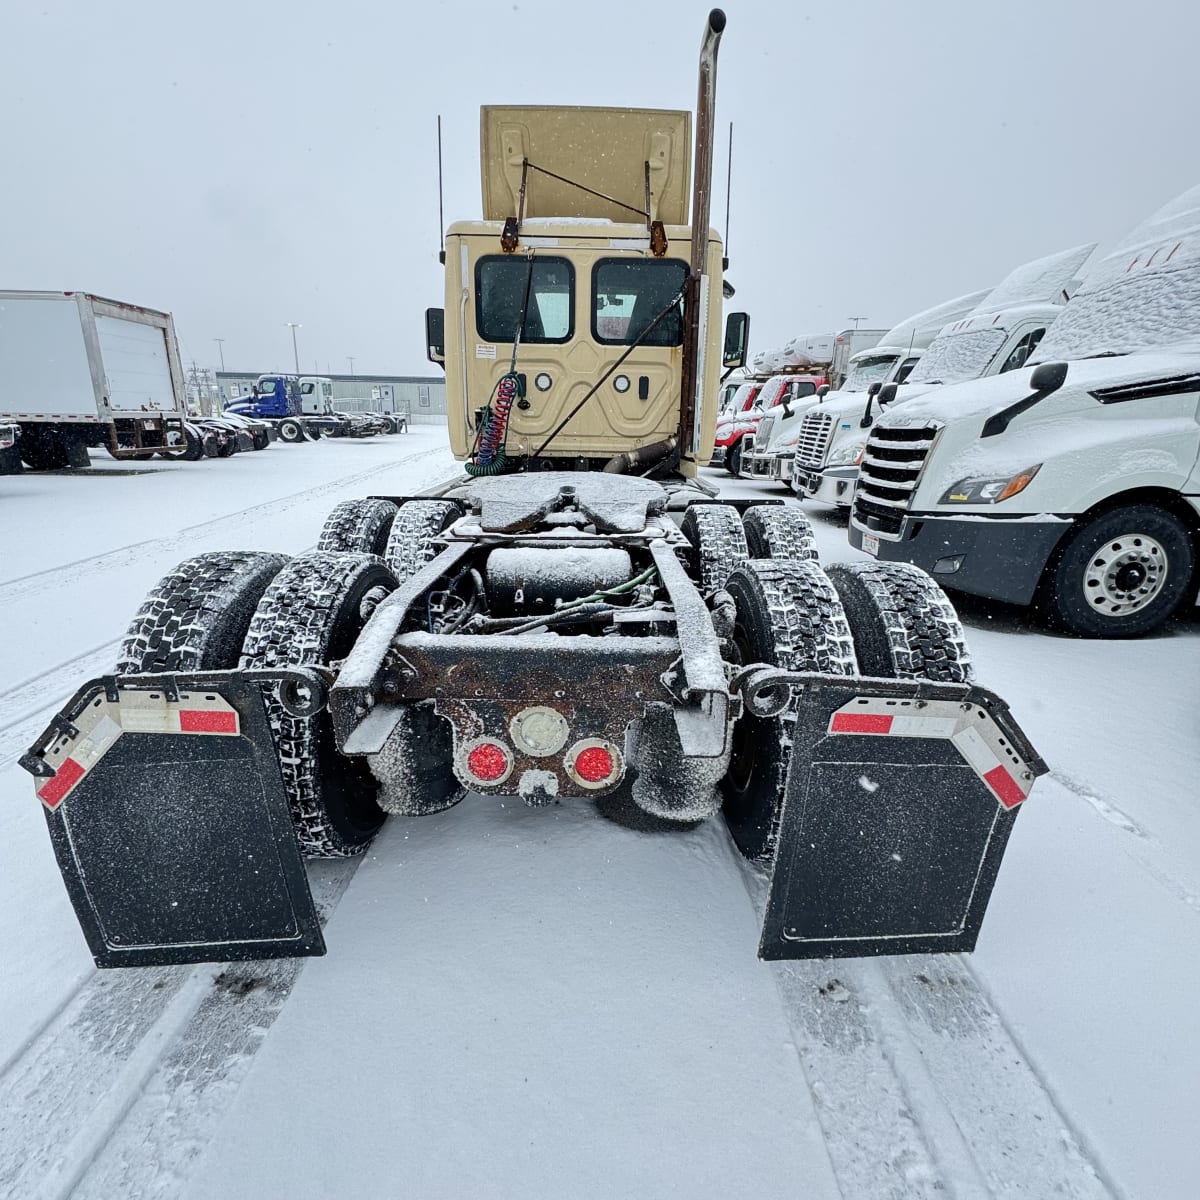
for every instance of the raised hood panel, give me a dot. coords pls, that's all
(917, 331)
(1145, 294)
(605, 149)
(1043, 281)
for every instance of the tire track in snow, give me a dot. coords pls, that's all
(114, 1096)
(921, 1089)
(51, 579)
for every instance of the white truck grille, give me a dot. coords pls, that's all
(888, 475)
(766, 428)
(815, 435)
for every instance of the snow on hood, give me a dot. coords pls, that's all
(1042, 281)
(1145, 294)
(982, 397)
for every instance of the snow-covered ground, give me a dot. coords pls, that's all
(522, 1002)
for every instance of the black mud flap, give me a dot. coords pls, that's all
(899, 803)
(169, 820)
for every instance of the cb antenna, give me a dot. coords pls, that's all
(441, 210)
(728, 184)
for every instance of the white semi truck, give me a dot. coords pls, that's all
(1071, 484)
(77, 370)
(890, 358)
(998, 335)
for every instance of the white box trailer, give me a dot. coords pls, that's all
(77, 370)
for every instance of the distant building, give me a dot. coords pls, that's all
(422, 397)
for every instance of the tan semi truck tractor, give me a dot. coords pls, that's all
(576, 623)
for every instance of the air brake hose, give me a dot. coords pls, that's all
(491, 457)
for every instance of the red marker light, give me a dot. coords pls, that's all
(489, 762)
(595, 764)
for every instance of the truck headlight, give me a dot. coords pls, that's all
(845, 454)
(990, 489)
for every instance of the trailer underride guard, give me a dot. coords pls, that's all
(550, 630)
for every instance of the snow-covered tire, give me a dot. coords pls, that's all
(291, 430)
(311, 615)
(789, 616)
(903, 624)
(779, 531)
(718, 542)
(1089, 588)
(196, 617)
(358, 527)
(416, 535)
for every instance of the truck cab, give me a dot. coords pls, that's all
(1000, 334)
(564, 327)
(316, 396)
(272, 397)
(1070, 483)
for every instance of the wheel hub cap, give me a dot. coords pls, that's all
(1125, 575)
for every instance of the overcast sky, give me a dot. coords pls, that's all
(248, 164)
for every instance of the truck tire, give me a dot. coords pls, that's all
(788, 615)
(291, 430)
(414, 539)
(779, 531)
(196, 617)
(733, 458)
(358, 527)
(718, 542)
(903, 624)
(227, 448)
(311, 615)
(1121, 574)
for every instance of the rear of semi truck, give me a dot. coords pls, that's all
(577, 622)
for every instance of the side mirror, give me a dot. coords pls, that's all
(887, 393)
(435, 335)
(1048, 377)
(823, 391)
(737, 335)
(873, 390)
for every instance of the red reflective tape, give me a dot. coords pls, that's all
(200, 720)
(1005, 786)
(53, 790)
(861, 723)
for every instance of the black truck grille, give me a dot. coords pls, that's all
(888, 474)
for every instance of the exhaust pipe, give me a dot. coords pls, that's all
(696, 296)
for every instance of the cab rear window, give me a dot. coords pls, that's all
(628, 293)
(500, 282)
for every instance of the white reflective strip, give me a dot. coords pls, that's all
(141, 718)
(629, 243)
(88, 751)
(975, 750)
(539, 241)
(934, 727)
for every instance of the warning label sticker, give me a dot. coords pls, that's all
(482, 351)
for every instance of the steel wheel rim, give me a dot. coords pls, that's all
(1125, 575)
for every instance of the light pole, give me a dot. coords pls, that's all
(221, 348)
(293, 326)
(350, 360)
(856, 320)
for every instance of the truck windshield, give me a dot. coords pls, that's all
(865, 371)
(627, 294)
(500, 290)
(955, 357)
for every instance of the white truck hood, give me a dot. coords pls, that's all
(983, 397)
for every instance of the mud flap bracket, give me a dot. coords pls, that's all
(169, 820)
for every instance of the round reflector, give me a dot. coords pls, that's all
(488, 762)
(594, 764)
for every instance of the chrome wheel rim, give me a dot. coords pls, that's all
(1125, 574)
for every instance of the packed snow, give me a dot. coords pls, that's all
(540, 1002)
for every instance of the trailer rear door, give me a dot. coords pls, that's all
(136, 365)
